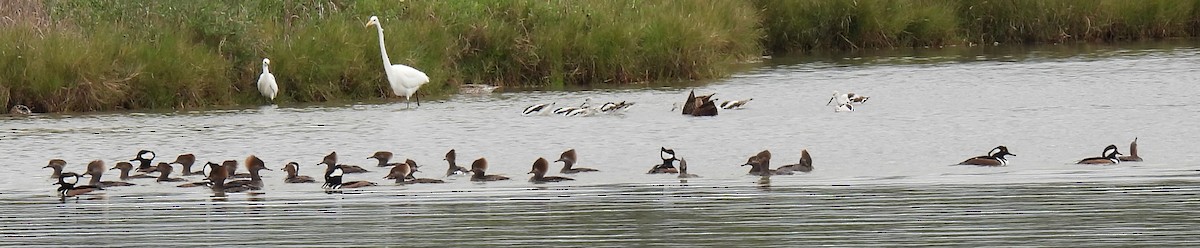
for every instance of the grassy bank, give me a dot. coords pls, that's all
(91, 55)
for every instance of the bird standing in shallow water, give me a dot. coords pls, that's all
(404, 79)
(266, 82)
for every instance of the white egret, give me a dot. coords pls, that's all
(404, 80)
(266, 82)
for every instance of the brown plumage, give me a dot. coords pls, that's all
(67, 188)
(479, 172)
(232, 170)
(1133, 153)
(454, 168)
(217, 174)
(164, 173)
(383, 157)
(699, 105)
(540, 166)
(995, 157)
(569, 158)
(668, 162)
(805, 164)
(401, 173)
(683, 173)
(1109, 156)
(57, 165)
(760, 165)
(95, 169)
(187, 160)
(293, 171)
(253, 165)
(331, 160)
(125, 167)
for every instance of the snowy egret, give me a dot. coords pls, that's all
(266, 82)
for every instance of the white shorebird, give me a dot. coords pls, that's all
(266, 81)
(404, 80)
(843, 102)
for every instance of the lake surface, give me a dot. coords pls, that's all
(884, 173)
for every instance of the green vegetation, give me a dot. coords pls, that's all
(92, 55)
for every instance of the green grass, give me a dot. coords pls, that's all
(95, 55)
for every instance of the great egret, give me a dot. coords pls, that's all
(266, 82)
(404, 80)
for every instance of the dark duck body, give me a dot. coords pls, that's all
(569, 158)
(1133, 153)
(187, 160)
(334, 172)
(144, 158)
(56, 165)
(1109, 156)
(253, 165)
(683, 173)
(164, 173)
(540, 166)
(760, 165)
(293, 171)
(995, 157)
(668, 162)
(805, 164)
(95, 169)
(383, 157)
(479, 172)
(125, 167)
(402, 172)
(454, 169)
(67, 187)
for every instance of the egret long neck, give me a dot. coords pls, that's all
(266, 70)
(382, 50)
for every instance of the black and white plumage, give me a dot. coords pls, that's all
(843, 102)
(735, 104)
(538, 109)
(615, 107)
(333, 178)
(1109, 156)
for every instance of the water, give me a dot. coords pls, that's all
(884, 173)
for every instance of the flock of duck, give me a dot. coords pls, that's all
(224, 177)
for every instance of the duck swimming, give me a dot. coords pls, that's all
(96, 170)
(805, 164)
(56, 165)
(760, 165)
(668, 162)
(1109, 156)
(187, 160)
(540, 166)
(333, 180)
(125, 167)
(253, 165)
(683, 170)
(330, 160)
(144, 157)
(1133, 153)
(479, 172)
(568, 158)
(995, 157)
(383, 157)
(454, 169)
(293, 170)
(403, 172)
(164, 173)
(67, 186)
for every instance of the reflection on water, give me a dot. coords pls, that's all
(883, 173)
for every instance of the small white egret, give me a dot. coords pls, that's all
(404, 80)
(266, 82)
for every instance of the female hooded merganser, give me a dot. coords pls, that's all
(403, 173)
(383, 157)
(67, 186)
(217, 174)
(995, 157)
(735, 104)
(206, 171)
(454, 169)
(187, 160)
(293, 171)
(96, 170)
(20, 110)
(164, 173)
(1109, 156)
(805, 164)
(333, 180)
(1133, 155)
(331, 160)
(479, 172)
(683, 170)
(57, 166)
(760, 165)
(125, 167)
(568, 158)
(538, 109)
(253, 165)
(233, 174)
(540, 166)
(668, 164)
(144, 157)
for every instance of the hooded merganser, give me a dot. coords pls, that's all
(95, 169)
(683, 170)
(760, 165)
(454, 169)
(995, 157)
(668, 164)
(164, 173)
(1133, 153)
(331, 160)
(333, 180)
(383, 157)
(253, 165)
(569, 158)
(403, 173)
(805, 164)
(187, 160)
(293, 171)
(217, 174)
(233, 174)
(144, 158)
(57, 165)
(67, 186)
(479, 172)
(125, 167)
(540, 166)
(1109, 156)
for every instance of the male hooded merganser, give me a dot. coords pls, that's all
(568, 158)
(1133, 154)
(403, 173)
(217, 174)
(454, 169)
(333, 180)
(206, 171)
(293, 171)
(479, 172)
(1109, 156)
(668, 164)
(735, 104)
(125, 167)
(540, 166)
(995, 157)
(253, 165)
(805, 164)
(20, 110)
(164, 173)
(57, 165)
(683, 170)
(67, 186)
(538, 109)
(96, 170)
(383, 157)
(144, 157)
(187, 160)
(331, 160)
(760, 165)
